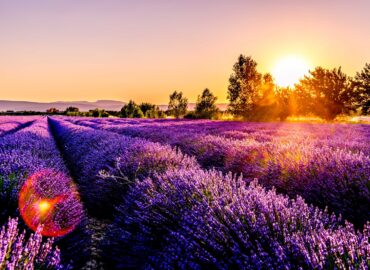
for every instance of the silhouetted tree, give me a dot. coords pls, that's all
(264, 107)
(328, 92)
(98, 113)
(244, 86)
(131, 110)
(151, 110)
(72, 110)
(52, 110)
(284, 102)
(177, 105)
(362, 89)
(206, 105)
(146, 107)
(95, 112)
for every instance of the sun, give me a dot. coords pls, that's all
(289, 70)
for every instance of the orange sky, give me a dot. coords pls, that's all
(143, 50)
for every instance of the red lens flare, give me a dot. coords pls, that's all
(50, 199)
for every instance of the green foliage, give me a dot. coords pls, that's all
(190, 115)
(98, 113)
(131, 110)
(52, 111)
(362, 89)
(72, 110)
(8, 199)
(151, 110)
(244, 85)
(205, 107)
(177, 105)
(326, 93)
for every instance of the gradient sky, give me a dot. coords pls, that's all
(144, 49)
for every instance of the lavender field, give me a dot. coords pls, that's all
(95, 193)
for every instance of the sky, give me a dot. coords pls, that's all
(144, 49)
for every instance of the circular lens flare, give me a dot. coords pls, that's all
(50, 199)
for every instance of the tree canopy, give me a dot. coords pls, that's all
(329, 92)
(362, 89)
(244, 84)
(177, 105)
(131, 110)
(206, 105)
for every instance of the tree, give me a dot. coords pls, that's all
(177, 105)
(146, 107)
(52, 111)
(151, 110)
(131, 110)
(98, 113)
(264, 106)
(72, 110)
(206, 105)
(95, 112)
(244, 84)
(328, 92)
(284, 102)
(362, 89)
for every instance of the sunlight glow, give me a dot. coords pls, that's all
(289, 70)
(44, 206)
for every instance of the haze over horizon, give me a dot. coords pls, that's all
(144, 50)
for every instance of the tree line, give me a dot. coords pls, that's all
(325, 93)
(205, 108)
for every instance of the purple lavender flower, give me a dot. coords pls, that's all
(192, 219)
(328, 165)
(17, 252)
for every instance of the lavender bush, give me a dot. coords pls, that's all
(106, 163)
(31, 150)
(24, 153)
(12, 124)
(192, 219)
(328, 165)
(153, 207)
(17, 252)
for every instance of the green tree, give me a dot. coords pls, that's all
(362, 89)
(177, 105)
(328, 93)
(72, 111)
(244, 86)
(52, 111)
(206, 105)
(151, 110)
(131, 110)
(95, 112)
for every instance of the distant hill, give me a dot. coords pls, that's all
(110, 105)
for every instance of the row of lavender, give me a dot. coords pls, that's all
(28, 151)
(354, 137)
(328, 165)
(12, 124)
(172, 214)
